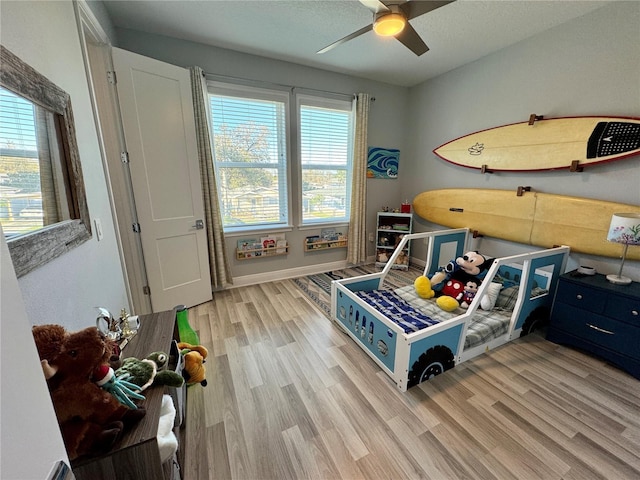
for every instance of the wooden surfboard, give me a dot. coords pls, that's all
(534, 218)
(546, 144)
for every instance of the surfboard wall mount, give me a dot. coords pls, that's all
(533, 118)
(575, 166)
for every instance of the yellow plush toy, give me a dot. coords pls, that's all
(423, 287)
(447, 303)
(194, 357)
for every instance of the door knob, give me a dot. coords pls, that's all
(199, 225)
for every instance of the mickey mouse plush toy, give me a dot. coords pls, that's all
(469, 292)
(467, 270)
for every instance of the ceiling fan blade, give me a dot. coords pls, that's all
(355, 34)
(416, 8)
(376, 6)
(410, 39)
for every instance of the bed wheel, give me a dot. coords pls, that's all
(537, 319)
(431, 363)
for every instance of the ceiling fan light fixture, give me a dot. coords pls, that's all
(389, 25)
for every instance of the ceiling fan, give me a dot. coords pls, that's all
(391, 18)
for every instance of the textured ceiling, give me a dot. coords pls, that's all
(457, 33)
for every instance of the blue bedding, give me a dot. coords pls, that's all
(404, 307)
(397, 310)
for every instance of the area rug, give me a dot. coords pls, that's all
(318, 287)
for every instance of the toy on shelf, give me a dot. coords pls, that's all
(149, 371)
(194, 357)
(185, 332)
(91, 419)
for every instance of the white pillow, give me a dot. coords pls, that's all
(488, 301)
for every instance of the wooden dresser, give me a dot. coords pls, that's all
(599, 317)
(136, 455)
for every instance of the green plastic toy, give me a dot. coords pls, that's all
(186, 333)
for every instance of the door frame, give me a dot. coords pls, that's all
(97, 59)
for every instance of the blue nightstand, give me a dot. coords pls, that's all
(599, 317)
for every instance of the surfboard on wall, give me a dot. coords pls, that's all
(533, 218)
(546, 144)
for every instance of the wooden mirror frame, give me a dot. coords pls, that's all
(34, 249)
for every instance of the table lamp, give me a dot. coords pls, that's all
(625, 229)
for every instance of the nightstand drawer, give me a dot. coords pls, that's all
(606, 332)
(624, 309)
(582, 297)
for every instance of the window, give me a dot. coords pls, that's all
(252, 136)
(30, 181)
(250, 156)
(325, 159)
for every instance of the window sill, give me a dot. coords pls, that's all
(257, 231)
(316, 226)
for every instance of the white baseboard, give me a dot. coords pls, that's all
(245, 280)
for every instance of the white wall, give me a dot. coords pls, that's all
(66, 290)
(386, 126)
(589, 66)
(29, 434)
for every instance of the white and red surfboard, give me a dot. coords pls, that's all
(546, 144)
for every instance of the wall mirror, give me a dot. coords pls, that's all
(43, 207)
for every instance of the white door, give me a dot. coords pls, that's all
(159, 129)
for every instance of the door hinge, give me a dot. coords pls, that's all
(111, 77)
(124, 157)
(136, 227)
(146, 290)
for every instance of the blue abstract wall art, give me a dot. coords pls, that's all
(383, 162)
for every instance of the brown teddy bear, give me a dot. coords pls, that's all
(91, 419)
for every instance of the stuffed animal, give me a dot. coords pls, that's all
(469, 292)
(194, 357)
(91, 418)
(475, 264)
(149, 371)
(453, 288)
(446, 303)
(382, 256)
(471, 264)
(402, 259)
(423, 287)
(439, 278)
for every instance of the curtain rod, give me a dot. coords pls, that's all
(261, 83)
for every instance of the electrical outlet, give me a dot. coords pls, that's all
(371, 237)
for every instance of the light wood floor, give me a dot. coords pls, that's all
(291, 397)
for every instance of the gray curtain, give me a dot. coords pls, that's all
(357, 248)
(220, 272)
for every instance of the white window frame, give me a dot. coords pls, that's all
(255, 93)
(333, 104)
(293, 170)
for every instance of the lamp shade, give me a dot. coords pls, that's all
(625, 228)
